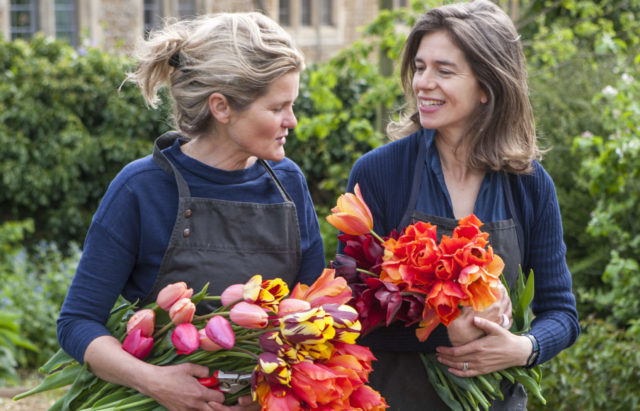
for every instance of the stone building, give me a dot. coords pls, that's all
(319, 27)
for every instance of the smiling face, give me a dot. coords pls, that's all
(261, 129)
(446, 89)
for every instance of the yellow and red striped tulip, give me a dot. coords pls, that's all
(312, 326)
(265, 293)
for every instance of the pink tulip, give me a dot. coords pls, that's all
(292, 305)
(232, 294)
(185, 338)
(249, 315)
(144, 320)
(182, 311)
(172, 293)
(219, 331)
(137, 344)
(206, 343)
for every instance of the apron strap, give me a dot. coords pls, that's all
(506, 183)
(283, 192)
(415, 185)
(162, 142)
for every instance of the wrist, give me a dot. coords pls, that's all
(532, 359)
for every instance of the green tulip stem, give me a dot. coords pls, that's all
(244, 351)
(211, 315)
(255, 334)
(362, 270)
(211, 297)
(377, 237)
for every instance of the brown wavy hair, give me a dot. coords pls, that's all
(502, 134)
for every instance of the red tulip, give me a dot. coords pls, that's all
(172, 293)
(185, 338)
(182, 311)
(144, 320)
(137, 344)
(206, 343)
(249, 315)
(351, 214)
(232, 294)
(219, 330)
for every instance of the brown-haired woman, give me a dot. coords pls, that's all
(466, 143)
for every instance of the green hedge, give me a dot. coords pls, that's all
(65, 131)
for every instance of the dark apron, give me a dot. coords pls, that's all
(400, 375)
(226, 242)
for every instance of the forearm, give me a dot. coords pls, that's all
(106, 359)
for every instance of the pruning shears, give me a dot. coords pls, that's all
(227, 382)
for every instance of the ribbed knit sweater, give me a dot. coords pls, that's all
(385, 176)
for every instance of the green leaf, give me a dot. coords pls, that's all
(58, 379)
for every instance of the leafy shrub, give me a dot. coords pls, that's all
(65, 132)
(32, 286)
(599, 372)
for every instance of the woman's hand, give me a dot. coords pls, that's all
(462, 330)
(176, 388)
(497, 350)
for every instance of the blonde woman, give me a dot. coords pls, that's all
(216, 202)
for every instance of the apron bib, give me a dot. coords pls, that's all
(226, 242)
(400, 376)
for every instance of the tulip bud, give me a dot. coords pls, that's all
(137, 344)
(172, 293)
(185, 338)
(249, 315)
(144, 320)
(351, 215)
(232, 294)
(182, 311)
(219, 331)
(206, 343)
(292, 305)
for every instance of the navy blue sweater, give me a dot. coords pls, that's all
(130, 232)
(385, 176)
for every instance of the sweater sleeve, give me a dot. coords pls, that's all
(556, 324)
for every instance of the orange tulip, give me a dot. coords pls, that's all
(351, 214)
(366, 398)
(314, 383)
(327, 289)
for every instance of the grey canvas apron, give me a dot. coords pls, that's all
(226, 242)
(400, 375)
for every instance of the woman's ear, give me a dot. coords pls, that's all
(219, 107)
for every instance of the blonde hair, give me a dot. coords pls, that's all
(502, 135)
(238, 55)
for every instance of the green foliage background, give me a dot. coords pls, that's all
(65, 131)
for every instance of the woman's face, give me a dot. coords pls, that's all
(261, 129)
(445, 87)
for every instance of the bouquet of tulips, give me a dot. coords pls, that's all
(296, 350)
(413, 278)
